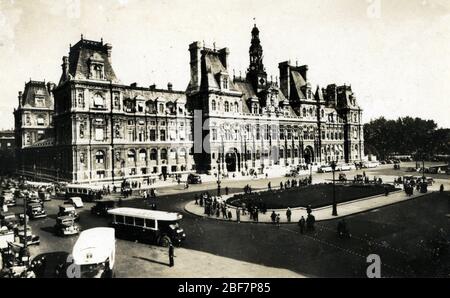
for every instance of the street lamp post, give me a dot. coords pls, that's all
(333, 167)
(218, 177)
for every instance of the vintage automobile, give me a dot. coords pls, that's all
(6, 236)
(342, 177)
(8, 198)
(95, 253)
(101, 207)
(31, 238)
(77, 202)
(194, 179)
(345, 167)
(429, 180)
(158, 227)
(68, 210)
(9, 220)
(36, 210)
(44, 196)
(66, 226)
(325, 169)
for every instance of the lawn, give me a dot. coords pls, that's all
(317, 195)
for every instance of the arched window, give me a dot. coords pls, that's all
(227, 106)
(213, 105)
(131, 156)
(98, 72)
(164, 154)
(322, 113)
(100, 157)
(236, 107)
(142, 155)
(81, 100)
(182, 153)
(304, 112)
(153, 154)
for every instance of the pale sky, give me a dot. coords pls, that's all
(394, 53)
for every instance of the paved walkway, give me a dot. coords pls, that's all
(321, 214)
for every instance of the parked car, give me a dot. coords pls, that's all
(194, 179)
(68, 210)
(101, 207)
(36, 210)
(9, 220)
(429, 180)
(8, 198)
(158, 227)
(345, 167)
(66, 226)
(31, 238)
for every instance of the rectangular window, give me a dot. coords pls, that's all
(162, 135)
(40, 121)
(119, 218)
(129, 220)
(139, 222)
(150, 223)
(152, 135)
(99, 134)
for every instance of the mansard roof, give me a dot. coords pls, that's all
(85, 52)
(34, 90)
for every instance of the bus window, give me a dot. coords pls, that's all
(150, 223)
(139, 222)
(119, 218)
(129, 220)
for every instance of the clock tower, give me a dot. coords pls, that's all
(256, 74)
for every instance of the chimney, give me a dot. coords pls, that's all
(304, 72)
(20, 98)
(169, 86)
(133, 85)
(285, 78)
(108, 49)
(153, 87)
(223, 56)
(50, 86)
(195, 50)
(65, 67)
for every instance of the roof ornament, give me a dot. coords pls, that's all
(214, 46)
(82, 37)
(254, 22)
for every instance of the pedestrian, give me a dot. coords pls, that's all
(308, 209)
(386, 191)
(278, 220)
(227, 190)
(196, 199)
(256, 214)
(301, 224)
(238, 214)
(441, 188)
(217, 211)
(269, 186)
(273, 217)
(288, 214)
(171, 255)
(281, 185)
(230, 215)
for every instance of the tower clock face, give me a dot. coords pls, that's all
(262, 81)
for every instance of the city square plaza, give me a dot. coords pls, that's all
(401, 229)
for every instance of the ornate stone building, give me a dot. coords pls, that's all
(254, 122)
(33, 122)
(106, 131)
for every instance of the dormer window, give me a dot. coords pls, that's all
(40, 102)
(255, 108)
(225, 83)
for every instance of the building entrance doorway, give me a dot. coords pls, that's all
(309, 155)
